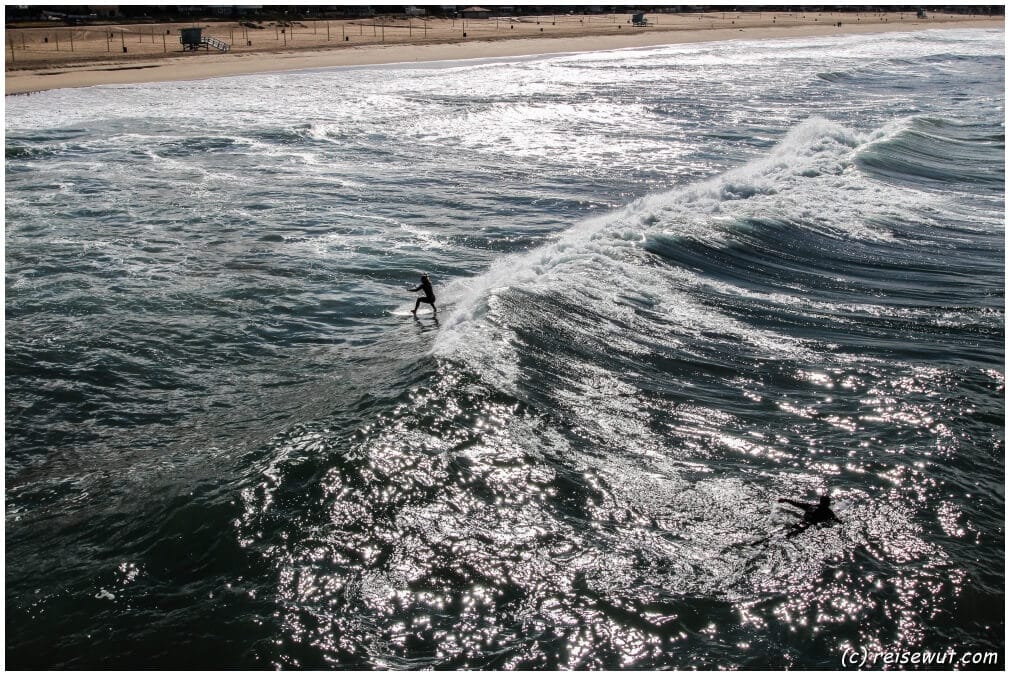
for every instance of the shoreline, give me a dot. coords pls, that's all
(199, 66)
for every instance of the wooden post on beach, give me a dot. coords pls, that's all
(327, 31)
(57, 41)
(71, 39)
(164, 44)
(122, 37)
(11, 43)
(410, 27)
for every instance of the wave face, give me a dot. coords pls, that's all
(675, 284)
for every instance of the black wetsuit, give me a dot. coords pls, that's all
(429, 294)
(812, 515)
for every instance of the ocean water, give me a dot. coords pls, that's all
(674, 285)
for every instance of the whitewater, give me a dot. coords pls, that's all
(675, 284)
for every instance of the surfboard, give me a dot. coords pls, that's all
(422, 312)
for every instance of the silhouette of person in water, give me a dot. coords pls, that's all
(812, 514)
(429, 295)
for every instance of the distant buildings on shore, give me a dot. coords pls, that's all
(73, 14)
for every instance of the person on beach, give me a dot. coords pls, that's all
(429, 295)
(812, 514)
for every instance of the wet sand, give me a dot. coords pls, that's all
(57, 57)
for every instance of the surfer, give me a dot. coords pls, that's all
(812, 514)
(429, 295)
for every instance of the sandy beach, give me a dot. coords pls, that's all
(43, 58)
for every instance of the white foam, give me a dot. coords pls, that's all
(604, 257)
(105, 595)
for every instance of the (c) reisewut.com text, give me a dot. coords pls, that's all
(876, 659)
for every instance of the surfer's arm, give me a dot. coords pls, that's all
(416, 288)
(801, 505)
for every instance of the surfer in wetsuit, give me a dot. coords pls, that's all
(812, 514)
(429, 295)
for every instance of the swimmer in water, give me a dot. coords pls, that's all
(812, 514)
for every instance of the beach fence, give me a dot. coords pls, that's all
(60, 44)
(28, 45)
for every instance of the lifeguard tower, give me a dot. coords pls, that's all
(193, 39)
